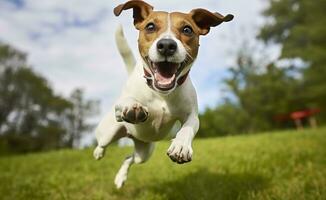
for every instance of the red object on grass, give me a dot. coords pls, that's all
(304, 113)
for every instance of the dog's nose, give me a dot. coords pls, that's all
(166, 47)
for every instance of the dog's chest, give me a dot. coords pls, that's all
(160, 114)
(158, 124)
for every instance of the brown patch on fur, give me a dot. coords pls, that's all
(191, 43)
(141, 10)
(205, 19)
(199, 20)
(145, 39)
(178, 22)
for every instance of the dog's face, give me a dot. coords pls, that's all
(169, 42)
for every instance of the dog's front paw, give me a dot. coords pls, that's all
(135, 113)
(180, 152)
(98, 152)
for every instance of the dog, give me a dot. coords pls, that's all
(158, 92)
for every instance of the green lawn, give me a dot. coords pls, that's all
(280, 165)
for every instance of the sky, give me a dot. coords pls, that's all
(71, 43)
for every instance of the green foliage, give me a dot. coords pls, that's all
(280, 165)
(216, 122)
(299, 26)
(262, 93)
(32, 116)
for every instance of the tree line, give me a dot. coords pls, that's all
(263, 93)
(32, 116)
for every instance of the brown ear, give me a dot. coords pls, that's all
(206, 19)
(141, 10)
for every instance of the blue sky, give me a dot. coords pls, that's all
(71, 42)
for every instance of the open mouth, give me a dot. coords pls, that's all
(164, 74)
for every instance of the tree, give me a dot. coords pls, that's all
(78, 118)
(299, 26)
(32, 116)
(226, 119)
(263, 91)
(260, 93)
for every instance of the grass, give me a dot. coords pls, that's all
(280, 165)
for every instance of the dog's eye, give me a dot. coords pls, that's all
(150, 27)
(187, 30)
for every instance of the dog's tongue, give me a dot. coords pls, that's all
(163, 80)
(164, 73)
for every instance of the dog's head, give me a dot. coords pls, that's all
(169, 42)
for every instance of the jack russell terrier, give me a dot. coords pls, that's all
(159, 91)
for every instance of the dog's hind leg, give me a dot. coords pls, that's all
(108, 131)
(122, 174)
(143, 151)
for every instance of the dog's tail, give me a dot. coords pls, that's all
(124, 50)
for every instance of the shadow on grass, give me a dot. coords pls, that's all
(207, 185)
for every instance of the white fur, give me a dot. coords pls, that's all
(164, 111)
(124, 50)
